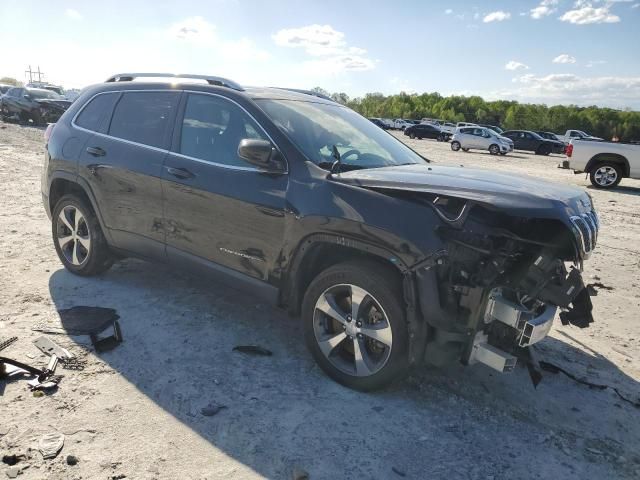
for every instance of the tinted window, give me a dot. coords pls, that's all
(94, 114)
(14, 92)
(143, 117)
(41, 93)
(212, 129)
(467, 131)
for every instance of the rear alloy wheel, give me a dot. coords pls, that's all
(354, 325)
(412, 135)
(543, 150)
(78, 238)
(605, 175)
(494, 149)
(455, 145)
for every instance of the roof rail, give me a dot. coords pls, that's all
(308, 92)
(219, 81)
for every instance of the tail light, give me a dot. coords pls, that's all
(569, 150)
(47, 132)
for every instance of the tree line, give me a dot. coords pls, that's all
(601, 122)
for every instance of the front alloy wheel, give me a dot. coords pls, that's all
(354, 324)
(352, 330)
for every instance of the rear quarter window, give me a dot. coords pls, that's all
(95, 114)
(143, 117)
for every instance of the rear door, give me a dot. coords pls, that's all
(218, 208)
(123, 164)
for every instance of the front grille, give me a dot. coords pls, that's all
(586, 231)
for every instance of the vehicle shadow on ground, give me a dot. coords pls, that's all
(283, 412)
(621, 189)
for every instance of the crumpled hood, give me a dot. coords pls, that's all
(489, 187)
(56, 104)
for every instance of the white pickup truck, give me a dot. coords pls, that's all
(575, 135)
(606, 162)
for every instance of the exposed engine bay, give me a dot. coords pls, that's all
(500, 281)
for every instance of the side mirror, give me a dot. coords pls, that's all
(262, 154)
(27, 96)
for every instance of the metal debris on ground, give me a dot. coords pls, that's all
(44, 377)
(49, 347)
(253, 350)
(211, 410)
(5, 343)
(50, 444)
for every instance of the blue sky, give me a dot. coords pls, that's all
(551, 51)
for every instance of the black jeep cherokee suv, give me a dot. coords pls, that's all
(389, 259)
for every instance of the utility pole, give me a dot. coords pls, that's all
(34, 72)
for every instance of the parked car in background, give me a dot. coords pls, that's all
(559, 145)
(466, 124)
(390, 261)
(35, 104)
(46, 86)
(494, 128)
(606, 162)
(388, 122)
(530, 142)
(4, 88)
(480, 138)
(401, 124)
(576, 135)
(425, 130)
(377, 121)
(448, 127)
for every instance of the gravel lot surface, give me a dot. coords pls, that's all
(136, 411)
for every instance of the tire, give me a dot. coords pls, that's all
(605, 175)
(455, 145)
(543, 150)
(494, 149)
(380, 296)
(85, 251)
(412, 135)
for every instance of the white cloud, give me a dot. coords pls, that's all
(584, 13)
(326, 42)
(545, 8)
(564, 58)
(193, 29)
(498, 16)
(73, 14)
(618, 92)
(593, 63)
(200, 33)
(635, 5)
(513, 65)
(448, 11)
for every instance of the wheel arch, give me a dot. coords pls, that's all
(63, 183)
(318, 252)
(609, 157)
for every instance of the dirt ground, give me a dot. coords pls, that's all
(135, 412)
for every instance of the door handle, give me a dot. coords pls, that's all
(96, 151)
(181, 173)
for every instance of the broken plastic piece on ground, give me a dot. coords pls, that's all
(253, 350)
(580, 313)
(550, 367)
(5, 343)
(107, 343)
(79, 320)
(49, 347)
(211, 410)
(50, 444)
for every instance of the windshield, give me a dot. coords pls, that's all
(44, 94)
(316, 128)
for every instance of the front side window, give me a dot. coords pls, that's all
(94, 115)
(319, 129)
(212, 129)
(143, 117)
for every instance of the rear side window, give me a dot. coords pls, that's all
(212, 129)
(143, 117)
(95, 114)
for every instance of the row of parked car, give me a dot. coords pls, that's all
(37, 104)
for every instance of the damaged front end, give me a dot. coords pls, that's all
(495, 287)
(50, 110)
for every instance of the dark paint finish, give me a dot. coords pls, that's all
(260, 225)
